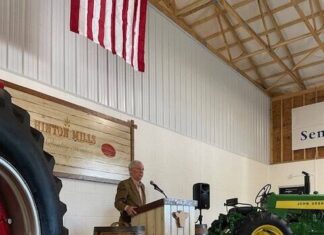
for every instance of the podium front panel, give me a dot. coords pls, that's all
(160, 220)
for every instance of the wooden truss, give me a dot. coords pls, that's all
(277, 45)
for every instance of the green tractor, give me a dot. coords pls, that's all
(283, 214)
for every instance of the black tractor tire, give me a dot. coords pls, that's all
(23, 160)
(263, 223)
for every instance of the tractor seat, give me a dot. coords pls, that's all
(244, 210)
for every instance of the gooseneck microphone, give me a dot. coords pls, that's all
(157, 188)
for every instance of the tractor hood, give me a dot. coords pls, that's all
(295, 201)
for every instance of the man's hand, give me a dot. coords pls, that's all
(131, 210)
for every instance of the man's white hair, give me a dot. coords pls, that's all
(134, 163)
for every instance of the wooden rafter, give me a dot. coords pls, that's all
(280, 44)
(240, 4)
(261, 42)
(224, 37)
(242, 47)
(308, 25)
(258, 17)
(274, 75)
(318, 5)
(305, 79)
(205, 19)
(293, 69)
(257, 51)
(170, 4)
(298, 67)
(281, 27)
(263, 21)
(300, 53)
(311, 6)
(193, 7)
(282, 39)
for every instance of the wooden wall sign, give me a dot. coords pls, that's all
(86, 145)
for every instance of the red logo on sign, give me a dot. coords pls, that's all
(108, 150)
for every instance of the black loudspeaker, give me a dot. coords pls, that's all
(201, 194)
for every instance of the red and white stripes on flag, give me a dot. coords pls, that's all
(117, 25)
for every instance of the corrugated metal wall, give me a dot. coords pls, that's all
(185, 88)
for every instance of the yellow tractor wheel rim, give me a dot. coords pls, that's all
(267, 230)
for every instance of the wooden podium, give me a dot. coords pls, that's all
(167, 217)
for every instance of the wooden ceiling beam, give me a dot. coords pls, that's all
(281, 27)
(297, 67)
(264, 22)
(318, 5)
(282, 39)
(305, 79)
(282, 58)
(170, 4)
(261, 42)
(311, 64)
(242, 3)
(274, 75)
(193, 7)
(224, 38)
(311, 6)
(258, 17)
(237, 38)
(280, 44)
(293, 69)
(205, 19)
(308, 25)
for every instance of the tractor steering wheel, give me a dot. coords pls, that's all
(262, 193)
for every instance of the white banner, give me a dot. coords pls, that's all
(308, 126)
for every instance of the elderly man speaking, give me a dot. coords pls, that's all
(130, 193)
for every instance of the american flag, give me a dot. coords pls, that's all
(117, 25)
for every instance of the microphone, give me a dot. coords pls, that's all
(157, 188)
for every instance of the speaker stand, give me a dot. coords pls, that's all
(200, 217)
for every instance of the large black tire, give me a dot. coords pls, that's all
(263, 223)
(23, 160)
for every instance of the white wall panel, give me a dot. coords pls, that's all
(58, 47)
(102, 77)
(45, 47)
(185, 88)
(4, 32)
(16, 35)
(30, 62)
(81, 66)
(177, 81)
(121, 85)
(151, 69)
(92, 75)
(138, 94)
(129, 93)
(146, 84)
(159, 71)
(70, 48)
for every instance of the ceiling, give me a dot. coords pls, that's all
(275, 44)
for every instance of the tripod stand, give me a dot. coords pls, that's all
(199, 217)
